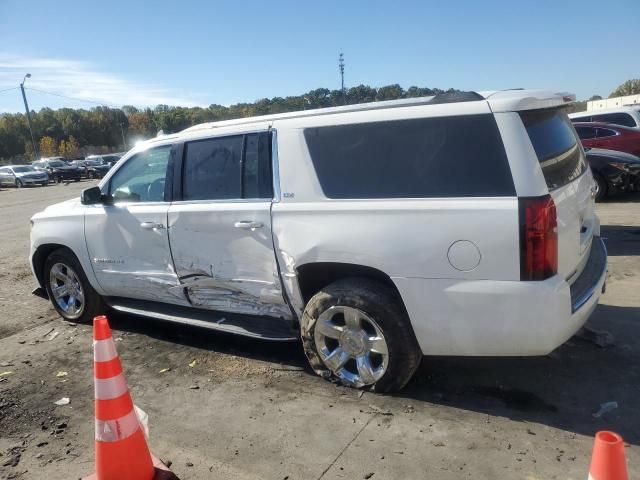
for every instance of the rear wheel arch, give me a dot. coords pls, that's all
(312, 277)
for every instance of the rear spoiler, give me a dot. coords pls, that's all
(517, 100)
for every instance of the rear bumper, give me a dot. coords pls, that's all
(502, 318)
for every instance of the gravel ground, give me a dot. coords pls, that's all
(253, 410)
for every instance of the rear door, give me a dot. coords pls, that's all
(220, 226)
(570, 184)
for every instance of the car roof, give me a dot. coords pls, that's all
(600, 111)
(601, 152)
(498, 100)
(610, 126)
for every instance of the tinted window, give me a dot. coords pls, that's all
(22, 169)
(555, 144)
(418, 158)
(586, 133)
(605, 132)
(142, 178)
(581, 119)
(212, 169)
(616, 118)
(256, 167)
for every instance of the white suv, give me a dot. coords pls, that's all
(624, 116)
(458, 224)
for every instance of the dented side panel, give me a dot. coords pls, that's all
(222, 265)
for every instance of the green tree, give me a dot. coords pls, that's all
(630, 87)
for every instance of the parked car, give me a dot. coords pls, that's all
(609, 137)
(613, 171)
(96, 168)
(460, 224)
(22, 175)
(80, 165)
(109, 159)
(623, 116)
(57, 169)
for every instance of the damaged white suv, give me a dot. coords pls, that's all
(460, 224)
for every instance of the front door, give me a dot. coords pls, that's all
(127, 240)
(220, 228)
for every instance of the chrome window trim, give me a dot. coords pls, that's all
(275, 166)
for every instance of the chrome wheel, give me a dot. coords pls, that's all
(351, 345)
(66, 290)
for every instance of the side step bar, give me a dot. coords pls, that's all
(264, 328)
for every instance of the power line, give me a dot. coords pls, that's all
(8, 89)
(73, 98)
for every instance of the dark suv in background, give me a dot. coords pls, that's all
(57, 169)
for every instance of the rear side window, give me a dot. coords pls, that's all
(581, 119)
(616, 118)
(225, 168)
(585, 133)
(605, 132)
(556, 145)
(417, 158)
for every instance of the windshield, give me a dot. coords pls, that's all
(22, 169)
(57, 163)
(93, 162)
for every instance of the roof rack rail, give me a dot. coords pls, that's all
(448, 97)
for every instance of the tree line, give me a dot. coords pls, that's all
(72, 132)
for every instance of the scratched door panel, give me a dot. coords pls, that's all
(224, 263)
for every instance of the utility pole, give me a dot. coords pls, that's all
(124, 142)
(26, 107)
(341, 68)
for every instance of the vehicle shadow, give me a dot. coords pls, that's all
(287, 353)
(621, 240)
(561, 390)
(623, 197)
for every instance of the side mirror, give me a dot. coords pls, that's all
(91, 196)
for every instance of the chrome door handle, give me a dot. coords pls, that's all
(151, 226)
(248, 225)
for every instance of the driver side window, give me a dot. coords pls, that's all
(142, 178)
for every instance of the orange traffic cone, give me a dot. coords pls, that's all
(121, 448)
(607, 460)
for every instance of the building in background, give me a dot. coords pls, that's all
(615, 102)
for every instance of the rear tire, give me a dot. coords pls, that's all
(74, 298)
(602, 187)
(382, 348)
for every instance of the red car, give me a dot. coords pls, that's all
(608, 136)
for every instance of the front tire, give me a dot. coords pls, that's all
(19, 183)
(70, 292)
(355, 332)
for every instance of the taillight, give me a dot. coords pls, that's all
(538, 238)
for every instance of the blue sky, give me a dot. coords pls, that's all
(202, 52)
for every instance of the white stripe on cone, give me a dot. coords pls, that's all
(119, 429)
(108, 388)
(104, 350)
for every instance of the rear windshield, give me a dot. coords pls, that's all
(556, 145)
(417, 158)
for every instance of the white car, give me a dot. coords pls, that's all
(624, 116)
(460, 224)
(22, 175)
